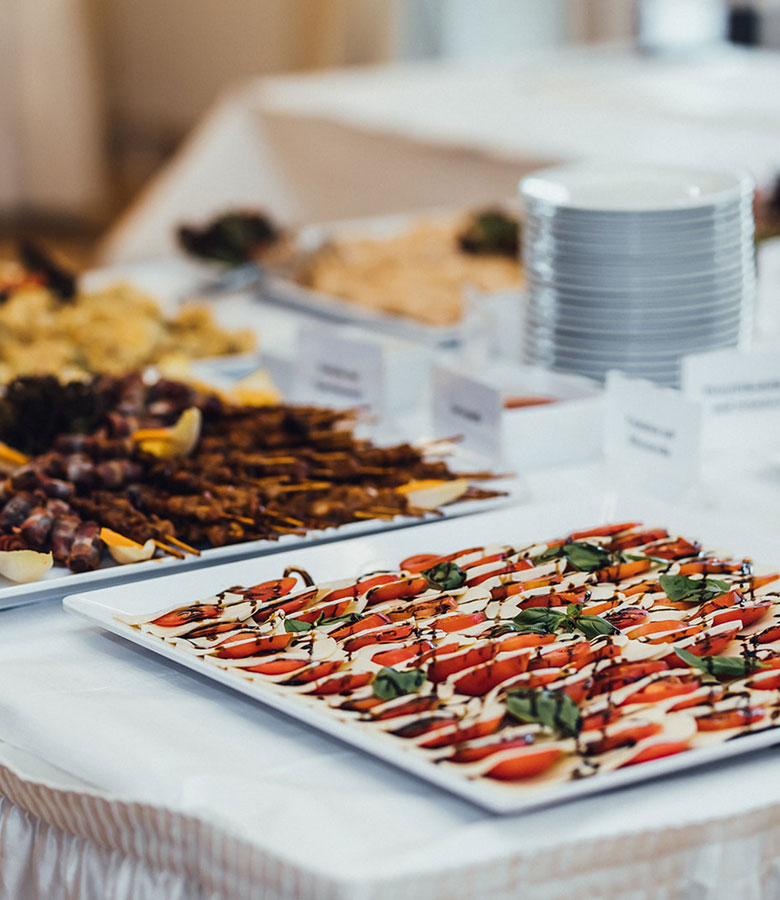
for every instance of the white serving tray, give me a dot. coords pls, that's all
(59, 580)
(352, 557)
(289, 293)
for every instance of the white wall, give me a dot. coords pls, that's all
(479, 28)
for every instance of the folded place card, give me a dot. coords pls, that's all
(653, 436)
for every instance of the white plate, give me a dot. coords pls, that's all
(521, 525)
(633, 188)
(59, 581)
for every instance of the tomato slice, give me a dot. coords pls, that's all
(559, 598)
(270, 590)
(575, 655)
(636, 539)
(623, 619)
(622, 570)
(401, 589)
(710, 567)
(195, 613)
(711, 644)
(603, 530)
(409, 708)
(622, 673)
(426, 609)
(460, 622)
(420, 649)
(278, 666)
(663, 689)
(385, 636)
(415, 564)
(315, 672)
(631, 734)
(330, 611)
(248, 643)
(518, 566)
(740, 717)
(374, 620)
(289, 606)
(479, 681)
(441, 669)
(342, 684)
(359, 587)
(657, 751)
(462, 735)
(669, 629)
(525, 765)
(678, 549)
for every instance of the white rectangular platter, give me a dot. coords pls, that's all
(382, 551)
(286, 292)
(59, 580)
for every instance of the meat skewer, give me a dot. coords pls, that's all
(86, 548)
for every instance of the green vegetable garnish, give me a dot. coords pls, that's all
(445, 576)
(680, 588)
(552, 709)
(389, 683)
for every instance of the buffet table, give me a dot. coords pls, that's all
(122, 775)
(356, 142)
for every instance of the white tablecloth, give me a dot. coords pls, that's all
(124, 776)
(393, 138)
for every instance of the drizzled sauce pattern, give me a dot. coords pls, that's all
(605, 648)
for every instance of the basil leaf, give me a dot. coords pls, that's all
(586, 557)
(626, 556)
(293, 625)
(548, 555)
(680, 588)
(538, 620)
(446, 576)
(390, 683)
(595, 626)
(554, 710)
(725, 666)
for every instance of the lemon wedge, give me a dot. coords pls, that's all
(178, 440)
(125, 551)
(256, 389)
(22, 566)
(11, 459)
(433, 493)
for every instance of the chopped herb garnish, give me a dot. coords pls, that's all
(551, 709)
(445, 576)
(680, 588)
(547, 620)
(390, 683)
(293, 625)
(722, 666)
(586, 557)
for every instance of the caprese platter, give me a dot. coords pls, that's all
(514, 672)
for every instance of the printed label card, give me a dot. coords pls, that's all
(341, 371)
(470, 409)
(653, 438)
(740, 395)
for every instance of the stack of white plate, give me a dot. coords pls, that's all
(633, 267)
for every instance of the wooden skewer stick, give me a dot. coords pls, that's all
(305, 486)
(166, 549)
(359, 514)
(177, 543)
(244, 520)
(288, 520)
